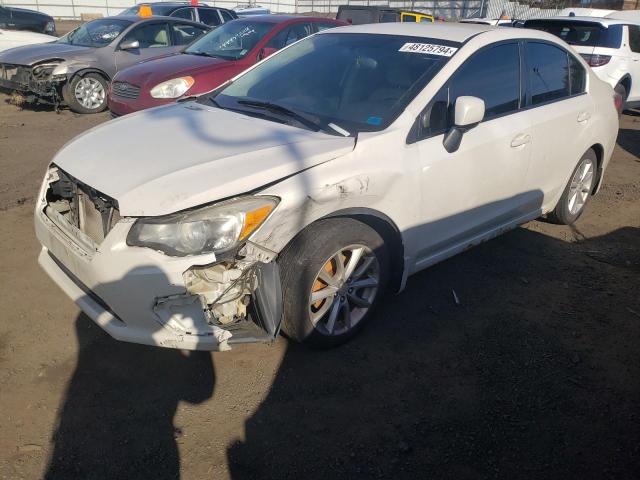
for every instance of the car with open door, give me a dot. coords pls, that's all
(292, 197)
(210, 61)
(77, 68)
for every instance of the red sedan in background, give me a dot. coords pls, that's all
(208, 62)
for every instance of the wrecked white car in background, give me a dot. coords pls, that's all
(294, 194)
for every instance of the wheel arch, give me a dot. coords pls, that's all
(84, 71)
(387, 229)
(599, 151)
(626, 82)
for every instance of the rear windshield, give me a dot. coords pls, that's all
(584, 34)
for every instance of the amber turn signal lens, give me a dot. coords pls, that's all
(253, 219)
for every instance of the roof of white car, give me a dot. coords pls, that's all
(603, 21)
(456, 32)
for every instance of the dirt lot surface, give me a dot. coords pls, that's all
(536, 374)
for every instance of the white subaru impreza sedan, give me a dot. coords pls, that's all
(292, 196)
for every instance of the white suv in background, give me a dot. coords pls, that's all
(610, 46)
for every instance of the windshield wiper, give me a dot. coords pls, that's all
(202, 54)
(307, 120)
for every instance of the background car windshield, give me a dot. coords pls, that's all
(231, 41)
(360, 82)
(581, 33)
(97, 33)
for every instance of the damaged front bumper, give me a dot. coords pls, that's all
(140, 295)
(35, 83)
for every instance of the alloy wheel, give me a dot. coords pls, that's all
(581, 186)
(344, 290)
(90, 93)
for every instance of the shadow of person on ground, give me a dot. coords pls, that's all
(534, 374)
(116, 419)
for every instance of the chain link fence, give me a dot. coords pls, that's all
(448, 9)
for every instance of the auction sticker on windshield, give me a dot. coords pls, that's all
(428, 49)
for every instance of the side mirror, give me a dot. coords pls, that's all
(468, 112)
(130, 45)
(266, 51)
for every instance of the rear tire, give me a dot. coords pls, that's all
(578, 191)
(86, 94)
(345, 293)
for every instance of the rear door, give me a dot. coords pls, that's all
(634, 65)
(154, 39)
(560, 112)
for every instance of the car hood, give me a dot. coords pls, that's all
(170, 158)
(165, 68)
(32, 54)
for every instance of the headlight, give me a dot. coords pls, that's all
(174, 88)
(44, 70)
(216, 228)
(50, 27)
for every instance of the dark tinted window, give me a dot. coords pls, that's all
(634, 38)
(226, 16)
(388, 17)
(209, 16)
(578, 76)
(492, 75)
(409, 18)
(355, 16)
(434, 119)
(548, 72)
(184, 34)
(186, 13)
(588, 34)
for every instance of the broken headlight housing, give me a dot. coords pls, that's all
(216, 228)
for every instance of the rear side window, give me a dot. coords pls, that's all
(290, 35)
(634, 38)
(356, 16)
(209, 16)
(586, 34)
(226, 16)
(578, 80)
(186, 13)
(184, 34)
(548, 72)
(492, 75)
(409, 18)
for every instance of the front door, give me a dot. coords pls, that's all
(154, 40)
(479, 187)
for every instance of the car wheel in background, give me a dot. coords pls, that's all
(333, 274)
(86, 94)
(577, 192)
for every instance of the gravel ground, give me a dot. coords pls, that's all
(536, 374)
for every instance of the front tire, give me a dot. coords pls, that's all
(578, 191)
(333, 274)
(86, 94)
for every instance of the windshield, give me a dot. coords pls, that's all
(587, 34)
(231, 41)
(360, 82)
(98, 33)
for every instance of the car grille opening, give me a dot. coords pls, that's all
(125, 90)
(81, 206)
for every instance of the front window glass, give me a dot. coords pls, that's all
(578, 76)
(231, 41)
(97, 33)
(492, 75)
(360, 82)
(186, 13)
(209, 16)
(585, 34)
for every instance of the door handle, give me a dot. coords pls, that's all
(583, 117)
(521, 139)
